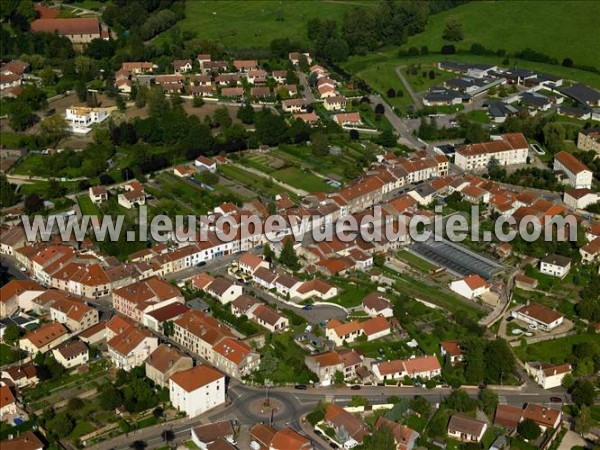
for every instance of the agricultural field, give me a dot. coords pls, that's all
(556, 28)
(255, 23)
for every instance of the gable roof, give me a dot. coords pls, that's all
(541, 415)
(540, 313)
(127, 341)
(376, 301)
(163, 358)
(46, 334)
(339, 417)
(67, 27)
(72, 349)
(466, 425)
(6, 396)
(570, 162)
(288, 439)
(16, 287)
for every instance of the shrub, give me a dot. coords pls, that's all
(567, 62)
(413, 51)
(528, 429)
(448, 50)
(391, 93)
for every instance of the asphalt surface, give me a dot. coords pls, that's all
(406, 136)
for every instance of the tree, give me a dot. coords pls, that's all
(33, 203)
(381, 439)
(221, 117)
(54, 128)
(499, 361)
(583, 422)
(12, 334)
(246, 113)
(336, 50)
(320, 144)
(529, 430)
(387, 138)
(488, 400)
(420, 405)
(110, 397)
(157, 103)
(288, 255)
(197, 102)
(460, 401)
(554, 136)
(391, 93)
(453, 31)
(75, 404)
(20, 115)
(354, 135)
(358, 400)
(567, 62)
(583, 393)
(567, 381)
(379, 109)
(61, 425)
(268, 253)
(339, 378)
(268, 364)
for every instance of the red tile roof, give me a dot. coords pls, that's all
(67, 27)
(540, 313)
(195, 378)
(46, 334)
(570, 162)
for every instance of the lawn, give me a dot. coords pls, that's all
(478, 115)
(414, 260)
(86, 206)
(554, 351)
(301, 180)
(419, 77)
(255, 23)
(7, 355)
(11, 140)
(556, 28)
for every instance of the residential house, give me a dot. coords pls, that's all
(157, 319)
(466, 429)
(470, 287)
(294, 105)
(26, 440)
(21, 376)
(453, 351)
(184, 171)
(539, 316)
(349, 429)
(131, 199)
(316, 288)
(197, 390)
(575, 172)
(268, 318)
(335, 103)
(98, 194)
(224, 290)
(424, 367)
(325, 365)
(18, 294)
(205, 435)
(143, 297)
(580, 198)
(44, 338)
(245, 65)
(341, 333)
(589, 139)
(138, 68)
(235, 357)
(545, 417)
(81, 118)
(131, 348)
(555, 265)
(71, 354)
(590, 252)
(548, 376)
(164, 362)
(375, 304)
(288, 439)
(182, 65)
(249, 263)
(405, 437)
(351, 119)
(204, 163)
(8, 404)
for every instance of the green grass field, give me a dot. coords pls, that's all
(555, 351)
(301, 180)
(557, 28)
(255, 23)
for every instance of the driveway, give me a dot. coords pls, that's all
(571, 440)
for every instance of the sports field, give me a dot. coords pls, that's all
(560, 29)
(255, 23)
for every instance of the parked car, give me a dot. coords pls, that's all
(307, 307)
(301, 387)
(556, 399)
(356, 387)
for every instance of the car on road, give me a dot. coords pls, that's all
(510, 318)
(556, 399)
(307, 307)
(356, 387)
(301, 387)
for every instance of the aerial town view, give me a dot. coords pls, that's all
(300, 224)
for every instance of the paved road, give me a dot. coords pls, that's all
(294, 404)
(415, 98)
(406, 136)
(307, 92)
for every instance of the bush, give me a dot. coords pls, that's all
(529, 430)
(413, 51)
(567, 62)
(448, 50)
(391, 93)
(315, 417)
(424, 50)
(430, 384)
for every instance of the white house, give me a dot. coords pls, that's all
(508, 149)
(8, 404)
(539, 316)
(466, 429)
(580, 198)
(98, 194)
(548, 376)
(131, 348)
(196, 390)
(334, 103)
(576, 173)
(131, 199)
(81, 119)
(204, 163)
(71, 354)
(206, 435)
(470, 287)
(375, 304)
(452, 350)
(555, 265)
(294, 105)
(224, 290)
(590, 252)
(425, 367)
(250, 262)
(267, 317)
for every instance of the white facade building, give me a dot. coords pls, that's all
(195, 391)
(81, 119)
